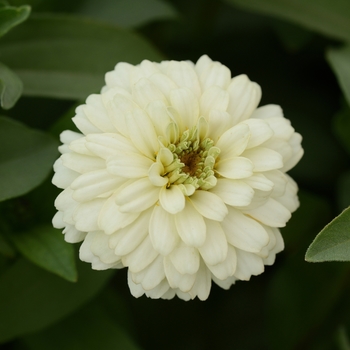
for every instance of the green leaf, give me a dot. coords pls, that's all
(339, 59)
(46, 247)
(333, 242)
(67, 57)
(86, 329)
(128, 13)
(12, 16)
(26, 158)
(32, 299)
(328, 17)
(11, 87)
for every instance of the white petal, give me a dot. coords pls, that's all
(119, 109)
(136, 290)
(268, 111)
(272, 213)
(161, 291)
(93, 184)
(218, 122)
(214, 250)
(162, 231)
(112, 219)
(244, 232)
(72, 235)
(153, 274)
(57, 220)
(97, 114)
(141, 257)
(137, 196)
(233, 141)
(209, 205)
(202, 285)
(81, 163)
(279, 181)
(191, 226)
(63, 176)
(260, 132)
(203, 63)
(165, 156)
(82, 123)
(264, 159)
(172, 199)
(133, 234)
(214, 74)
(144, 92)
(69, 136)
(213, 98)
(86, 253)
(159, 115)
(226, 268)
(186, 104)
(129, 165)
(121, 76)
(233, 192)
(79, 146)
(260, 182)
(86, 215)
(248, 264)
(298, 152)
(66, 204)
(184, 76)
(155, 174)
(163, 83)
(142, 133)
(265, 251)
(176, 279)
(224, 284)
(244, 98)
(235, 168)
(100, 248)
(289, 199)
(185, 259)
(106, 145)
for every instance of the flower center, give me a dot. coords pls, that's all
(194, 160)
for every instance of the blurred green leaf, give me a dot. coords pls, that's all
(12, 16)
(88, 329)
(339, 60)
(128, 13)
(341, 126)
(26, 158)
(5, 248)
(306, 293)
(333, 242)
(11, 87)
(65, 122)
(67, 57)
(342, 338)
(46, 247)
(293, 37)
(343, 190)
(32, 299)
(328, 17)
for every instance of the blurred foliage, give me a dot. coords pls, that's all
(297, 50)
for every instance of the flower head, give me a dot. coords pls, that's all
(177, 176)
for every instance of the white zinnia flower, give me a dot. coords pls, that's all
(178, 176)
